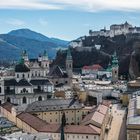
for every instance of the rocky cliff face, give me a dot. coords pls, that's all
(134, 67)
(126, 47)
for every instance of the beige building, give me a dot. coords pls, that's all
(32, 124)
(133, 119)
(51, 110)
(99, 117)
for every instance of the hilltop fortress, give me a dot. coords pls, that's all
(116, 29)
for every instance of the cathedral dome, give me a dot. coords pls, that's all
(21, 67)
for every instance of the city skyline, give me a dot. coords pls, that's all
(66, 19)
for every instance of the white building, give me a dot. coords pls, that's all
(29, 84)
(116, 29)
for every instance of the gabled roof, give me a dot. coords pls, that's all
(56, 71)
(23, 82)
(31, 120)
(40, 82)
(41, 126)
(10, 82)
(93, 67)
(8, 106)
(53, 104)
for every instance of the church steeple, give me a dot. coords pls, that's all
(69, 57)
(115, 68)
(114, 60)
(45, 55)
(25, 55)
(69, 66)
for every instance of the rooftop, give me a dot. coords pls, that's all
(53, 104)
(42, 126)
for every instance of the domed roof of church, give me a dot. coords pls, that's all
(21, 67)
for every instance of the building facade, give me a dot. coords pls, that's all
(29, 84)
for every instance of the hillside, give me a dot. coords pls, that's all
(122, 44)
(14, 42)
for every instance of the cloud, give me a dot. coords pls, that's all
(43, 22)
(27, 4)
(15, 22)
(100, 5)
(84, 5)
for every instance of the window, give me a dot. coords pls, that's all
(23, 76)
(24, 100)
(55, 112)
(0, 102)
(17, 75)
(24, 90)
(8, 99)
(39, 88)
(50, 120)
(0, 89)
(39, 98)
(56, 120)
(86, 137)
(28, 75)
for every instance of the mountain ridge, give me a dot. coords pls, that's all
(25, 39)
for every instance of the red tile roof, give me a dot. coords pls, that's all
(42, 126)
(81, 129)
(8, 106)
(106, 103)
(31, 120)
(97, 115)
(93, 67)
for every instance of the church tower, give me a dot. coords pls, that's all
(25, 56)
(69, 64)
(115, 68)
(45, 62)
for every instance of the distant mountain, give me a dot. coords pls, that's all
(27, 33)
(14, 42)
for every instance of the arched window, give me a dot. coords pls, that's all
(24, 90)
(39, 88)
(0, 102)
(39, 98)
(23, 76)
(0, 89)
(8, 99)
(24, 100)
(17, 75)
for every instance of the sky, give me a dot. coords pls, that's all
(66, 19)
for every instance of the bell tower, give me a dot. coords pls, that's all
(115, 68)
(69, 64)
(45, 62)
(25, 56)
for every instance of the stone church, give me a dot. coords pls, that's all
(34, 80)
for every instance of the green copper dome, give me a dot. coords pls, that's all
(114, 60)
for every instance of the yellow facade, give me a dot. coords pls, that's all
(73, 116)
